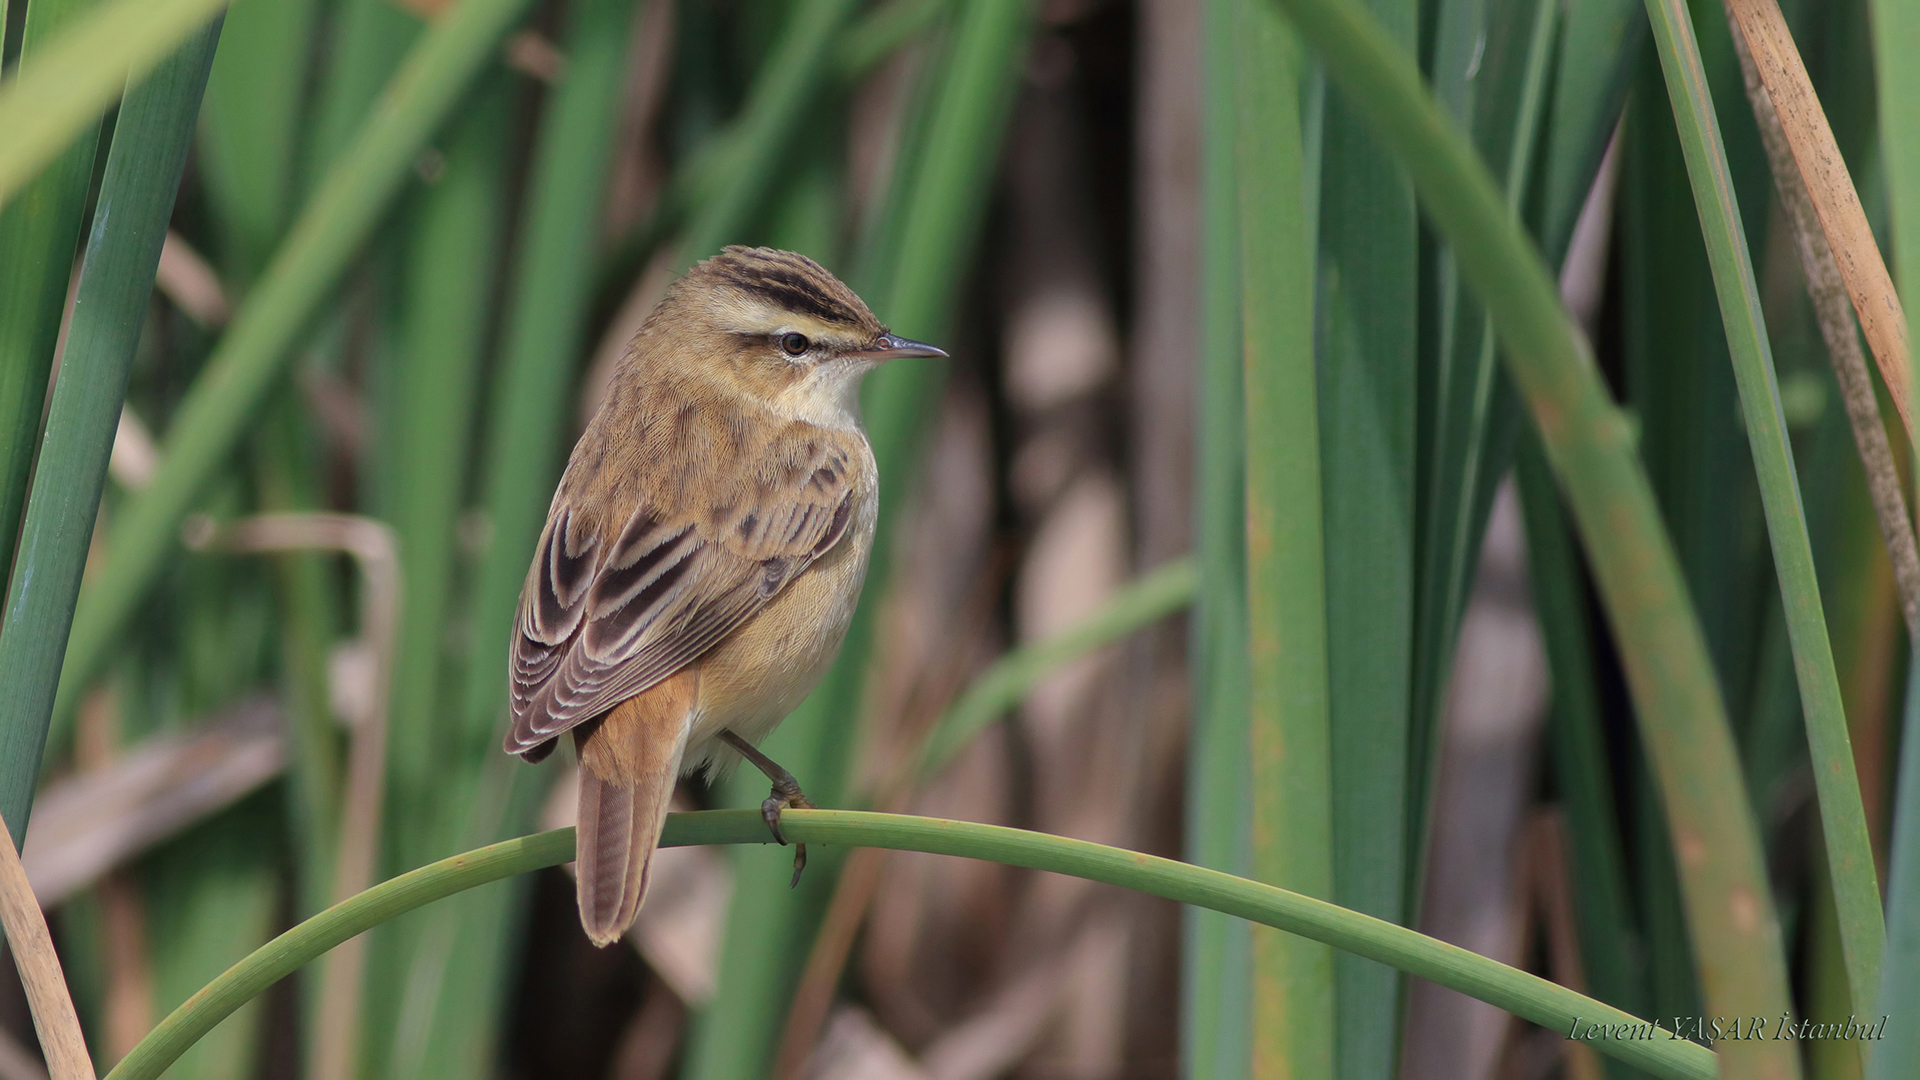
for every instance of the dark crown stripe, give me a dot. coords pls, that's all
(800, 297)
(790, 281)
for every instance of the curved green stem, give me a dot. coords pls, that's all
(1525, 995)
(1682, 718)
(1156, 594)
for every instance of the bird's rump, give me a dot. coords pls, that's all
(605, 615)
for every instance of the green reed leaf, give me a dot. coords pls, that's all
(1288, 743)
(1843, 819)
(1730, 912)
(59, 91)
(255, 350)
(1216, 973)
(116, 278)
(39, 230)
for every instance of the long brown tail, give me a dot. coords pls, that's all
(628, 764)
(619, 827)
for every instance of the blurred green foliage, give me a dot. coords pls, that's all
(411, 232)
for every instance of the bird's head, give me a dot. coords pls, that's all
(777, 328)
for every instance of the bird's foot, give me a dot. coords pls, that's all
(786, 794)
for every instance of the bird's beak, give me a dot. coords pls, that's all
(895, 347)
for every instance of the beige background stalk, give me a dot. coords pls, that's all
(1827, 287)
(53, 1016)
(372, 546)
(1831, 187)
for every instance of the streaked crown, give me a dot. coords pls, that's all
(761, 287)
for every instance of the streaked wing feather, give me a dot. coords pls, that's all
(602, 622)
(585, 688)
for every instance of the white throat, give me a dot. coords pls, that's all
(828, 397)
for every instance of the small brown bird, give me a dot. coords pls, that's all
(703, 554)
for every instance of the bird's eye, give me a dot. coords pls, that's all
(795, 344)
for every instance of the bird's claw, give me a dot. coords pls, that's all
(785, 796)
(770, 812)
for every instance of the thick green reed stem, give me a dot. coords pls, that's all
(1530, 996)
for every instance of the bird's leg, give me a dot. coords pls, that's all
(786, 793)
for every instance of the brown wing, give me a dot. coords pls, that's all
(603, 618)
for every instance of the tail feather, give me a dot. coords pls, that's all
(629, 760)
(618, 830)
